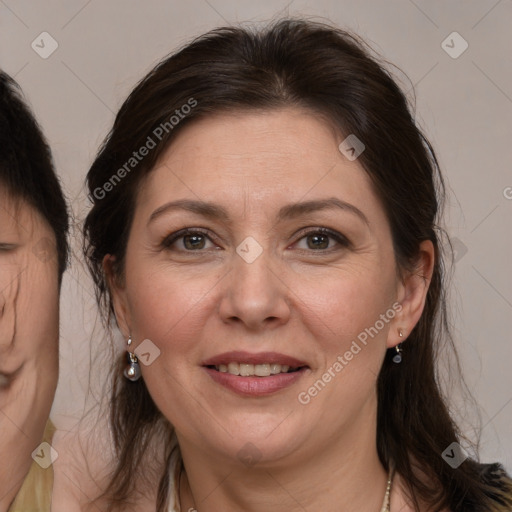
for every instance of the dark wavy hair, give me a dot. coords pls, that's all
(26, 165)
(332, 73)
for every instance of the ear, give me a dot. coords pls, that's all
(412, 294)
(118, 294)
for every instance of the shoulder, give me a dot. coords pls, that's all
(81, 468)
(493, 472)
(37, 487)
(499, 485)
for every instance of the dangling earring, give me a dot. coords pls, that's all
(397, 358)
(132, 371)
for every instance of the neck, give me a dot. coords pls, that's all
(10, 485)
(345, 475)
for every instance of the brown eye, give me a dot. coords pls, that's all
(187, 240)
(321, 239)
(317, 241)
(194, 241)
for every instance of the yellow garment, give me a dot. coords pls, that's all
(36, 491)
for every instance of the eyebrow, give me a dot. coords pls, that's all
(287, 212)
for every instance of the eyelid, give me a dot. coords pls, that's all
(4, 246)
(341, 239)
(173, 237)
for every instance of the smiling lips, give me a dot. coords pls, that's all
(255, 374)
(259, 370)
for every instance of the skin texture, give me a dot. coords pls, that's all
(29, 330)
(294, 298)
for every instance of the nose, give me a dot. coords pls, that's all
(255, 294)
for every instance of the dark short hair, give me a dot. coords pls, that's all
(26, 165)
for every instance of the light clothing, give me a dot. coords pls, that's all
(493, 474)
(174, 472)
(172, 504)
(174, 498)
(36, 490)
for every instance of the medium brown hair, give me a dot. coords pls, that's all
(303, 64)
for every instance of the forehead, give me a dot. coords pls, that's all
(258, 158)
(19, 219)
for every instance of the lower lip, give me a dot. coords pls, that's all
(255, 386)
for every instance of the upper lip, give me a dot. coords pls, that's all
(252, 358)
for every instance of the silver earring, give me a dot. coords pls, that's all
(397, 358)
(132, 371)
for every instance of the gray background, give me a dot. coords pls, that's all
(464, 105)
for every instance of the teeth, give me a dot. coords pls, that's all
(262, 370)
(275, 368)
(234, 368)
(250, 370)
(246, 370)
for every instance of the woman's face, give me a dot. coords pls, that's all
(255, 285)
(29, 326)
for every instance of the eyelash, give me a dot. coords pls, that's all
(340, 239)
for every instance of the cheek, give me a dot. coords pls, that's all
(343, 304)
(32, 315)
(173, 307)
(9, 290)
(38, 333)
(38, 302)
(29, 310)
(346, 316)
(169, 307)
